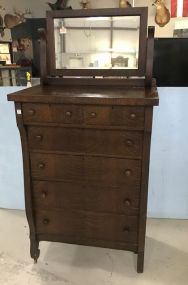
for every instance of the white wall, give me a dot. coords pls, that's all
(11, 174)
(39, 7)
(168, 195)
(168, 189)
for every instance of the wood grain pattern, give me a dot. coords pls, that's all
(122, 200)
(43, 55)
(34, 243)
(86, 115)
(88, 225)
(86, 149)
(87, 141)
(89, 94)
(129, 246)
(92, 170)
(144, 188)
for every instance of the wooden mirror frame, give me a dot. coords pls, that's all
(142, 12)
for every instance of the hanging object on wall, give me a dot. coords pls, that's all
(1, 8)
(179, 8)
(12, 21)
(124, 4)
(59, 5)
(84, 4)
(162, 16)
(2, 28)
(23, 44)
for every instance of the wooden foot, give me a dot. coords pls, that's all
(34, 249)
(140, 262)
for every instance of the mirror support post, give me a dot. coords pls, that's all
(43, 55)
(150, 54)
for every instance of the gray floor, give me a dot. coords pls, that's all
(166, 259)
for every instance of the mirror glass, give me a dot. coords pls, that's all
(97, 42)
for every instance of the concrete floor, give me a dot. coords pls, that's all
(166, 259)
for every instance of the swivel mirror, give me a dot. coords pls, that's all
(98, 42)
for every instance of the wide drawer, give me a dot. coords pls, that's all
(65, 196)
(86, 140)
(87, 225)
(87, 169)
(132, 117)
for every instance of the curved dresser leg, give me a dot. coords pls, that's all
(140, 262)
(34, 249)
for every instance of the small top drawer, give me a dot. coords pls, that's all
(97, 115)
(130, 117)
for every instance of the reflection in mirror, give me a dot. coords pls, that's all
(97, 43)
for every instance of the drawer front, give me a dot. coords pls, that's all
(65, 196)
(92, 170)
(52, 113)
(131, 117)
(97, 115)
(87, 225)
(86, 141)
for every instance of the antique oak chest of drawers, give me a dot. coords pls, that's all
(86, 164)
(86, 149)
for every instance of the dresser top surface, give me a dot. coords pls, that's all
(87, 95)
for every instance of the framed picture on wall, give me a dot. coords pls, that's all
(181, 33)
(6, 52)
(181, 29)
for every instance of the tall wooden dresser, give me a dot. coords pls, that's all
(86, 146)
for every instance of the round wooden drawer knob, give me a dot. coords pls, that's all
(68, 114)
(39, 137)
(31, 112)
(93, 115)
(46, 221)
(129, 143)
(127, 202)
(126, 230)
(43, 195)
(41, 165)
(128, 173)
(133, 116)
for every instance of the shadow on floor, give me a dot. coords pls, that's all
(164, 264)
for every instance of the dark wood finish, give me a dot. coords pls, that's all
(34, 243)
(89, 242)
(88, 95)
(141, 11)
(51, 44)
(87, 169)
(150, 52)
(87, 141)
(43, 55)
(86, 151)
(133, 82)
(85, 197)
(144, 187)
(88, 225)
